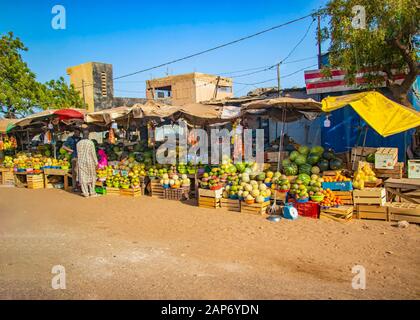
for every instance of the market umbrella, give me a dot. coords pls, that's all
(65, 114)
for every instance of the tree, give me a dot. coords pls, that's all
(388, 42)
(20, 92)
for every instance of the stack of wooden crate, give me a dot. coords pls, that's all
(209, 198)
(345, 196)
(340, 214)
(177, 194)
(255, 208)
(131, 192)
(398, 211)
(156, 189)
(6, 176)
(370, 204)
(35, 181)
(359, 154)
(231, 204)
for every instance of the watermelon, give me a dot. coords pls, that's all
(285, 162)
(370, 158)
(293, 155)
(328, 155)
(303, 150)
(318, 150)
(323, 165)
(300, 159)
(313, 158)
(291, 169)
(305, 168)
(336, 164)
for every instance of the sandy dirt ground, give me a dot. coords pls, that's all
(145, 248)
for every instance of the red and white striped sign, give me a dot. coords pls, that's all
(316, 83)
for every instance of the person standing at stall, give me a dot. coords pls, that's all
(87, 162)
(70, 146)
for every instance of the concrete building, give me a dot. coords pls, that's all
(189, 88)
(94, 81)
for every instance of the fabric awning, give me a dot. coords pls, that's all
(385, 116)
(7, 124)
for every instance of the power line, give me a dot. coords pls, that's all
(216, 47)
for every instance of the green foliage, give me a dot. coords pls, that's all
(20, 92)
(389, 41)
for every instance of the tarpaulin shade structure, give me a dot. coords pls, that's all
(294, 108)
(385, 116)
(108, 115)
(62, 114)
(153, 109)
(7, 124)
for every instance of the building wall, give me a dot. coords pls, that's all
(94, 82)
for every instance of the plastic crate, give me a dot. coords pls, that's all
(338, 186)
(308, 209)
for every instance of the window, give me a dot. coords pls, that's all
(103, 84)
(226, 89)
(163, 92)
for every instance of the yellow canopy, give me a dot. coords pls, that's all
(384, 115)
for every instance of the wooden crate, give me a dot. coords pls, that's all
(340, 214)
(386, 158)
(210, 193)
(208, 202)
(413, 169)
(131, 192)
(7, 177)
(112, 191)
(331, 173)
(396, 173)
(370, 196)
(255, 208)
(398, 211)
(177, 194)
(273, 156)
(345, 196)
(359, 154)
(156, 189)
(280, 196)
(231, 204)
(56, 172)
(35, 181)
(375, 184)
(372, 212)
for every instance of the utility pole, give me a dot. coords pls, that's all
(278, 80)
(319, 41)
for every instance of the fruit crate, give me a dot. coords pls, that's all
(372, 212)
(386, 158)
(178, 194)
(375, 184)
(338, 186)
(359, 154)
(345, 196)
(280, 196)
(340, 214)
(131, 192)
(255, 208)
(413, 169)
(370, 196)
(398, 211)
(111, 191)
(231, 204)
(396, 172)
(308, 209)
(35, 181)
(209, 198)
(156, 189)
(6, 176)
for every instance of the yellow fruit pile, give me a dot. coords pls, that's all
(362, 175)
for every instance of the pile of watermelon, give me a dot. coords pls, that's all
(310, 161)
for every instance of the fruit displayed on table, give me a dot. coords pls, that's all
(330, 199)
(175, 181)
(8, 143)
(38, 162)
(362, 175)
(339, 177)
(8, 162)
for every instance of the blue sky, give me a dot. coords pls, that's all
(133, 35)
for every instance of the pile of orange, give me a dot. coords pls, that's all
(330, 199)
(337, 178)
